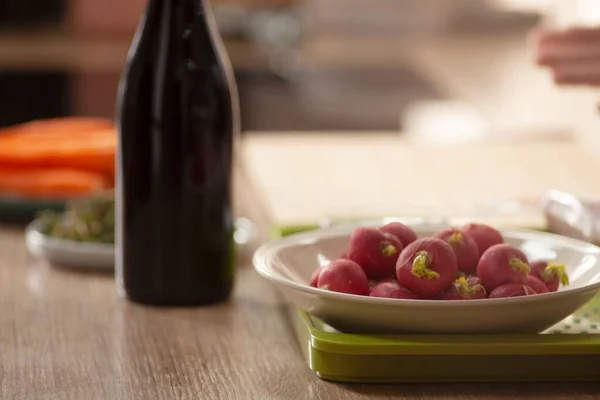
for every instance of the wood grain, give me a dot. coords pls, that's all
(67, 335)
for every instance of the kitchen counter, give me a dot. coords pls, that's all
(66, 335)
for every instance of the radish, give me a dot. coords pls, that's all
(404, 233)
(484, 236)
(392, 290)
(315, 277)
(376, 252)
(427, 267)
(465, 248)
(536, 284)
(502, 264)
(373, 283)
(511, 290)
(553, 275)
(465, 289)
(344, 276)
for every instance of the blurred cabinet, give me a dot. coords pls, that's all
(75, 50)
(383, 17)
(104, 17)
(33, 94)
(98, 17)
(83, 58)
(22, 14)
(257, 3)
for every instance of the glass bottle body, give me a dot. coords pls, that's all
(177, 120)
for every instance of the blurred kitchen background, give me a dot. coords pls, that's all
(446, 70)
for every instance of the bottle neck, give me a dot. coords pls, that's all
(196, 6)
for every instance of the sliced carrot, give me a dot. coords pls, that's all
(50, 183)
(94, 150)
(57, 158)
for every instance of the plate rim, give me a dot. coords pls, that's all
(261, 255)
(35, 236)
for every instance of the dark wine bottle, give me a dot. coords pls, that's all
(178, 118)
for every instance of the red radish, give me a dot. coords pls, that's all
(511, 290)
(344, 276)
(392, 290)
(427, 266)
(404, 233)
(465, 289)
(536, 284)
(374, 283)
(315, 277)
(344, 255)
(551, 274)
(465, 248)
(502, 264)
(376, 252)
(484, 236)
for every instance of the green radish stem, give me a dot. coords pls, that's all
(421, 265)
(520, 266)
(553, 270)
(456, 237)
(465, 289)
(388, 249)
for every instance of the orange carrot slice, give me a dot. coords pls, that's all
(94, 150)
(59, 183)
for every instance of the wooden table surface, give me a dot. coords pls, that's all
(66, 335)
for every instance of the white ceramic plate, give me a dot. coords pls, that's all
(69, 253)
(97, 256)
(289, 262)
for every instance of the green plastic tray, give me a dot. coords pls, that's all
(568, 352)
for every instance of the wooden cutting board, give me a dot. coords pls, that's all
(304, 177)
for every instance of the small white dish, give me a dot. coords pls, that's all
(69, 253)
(289, 262)
(99, 256)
